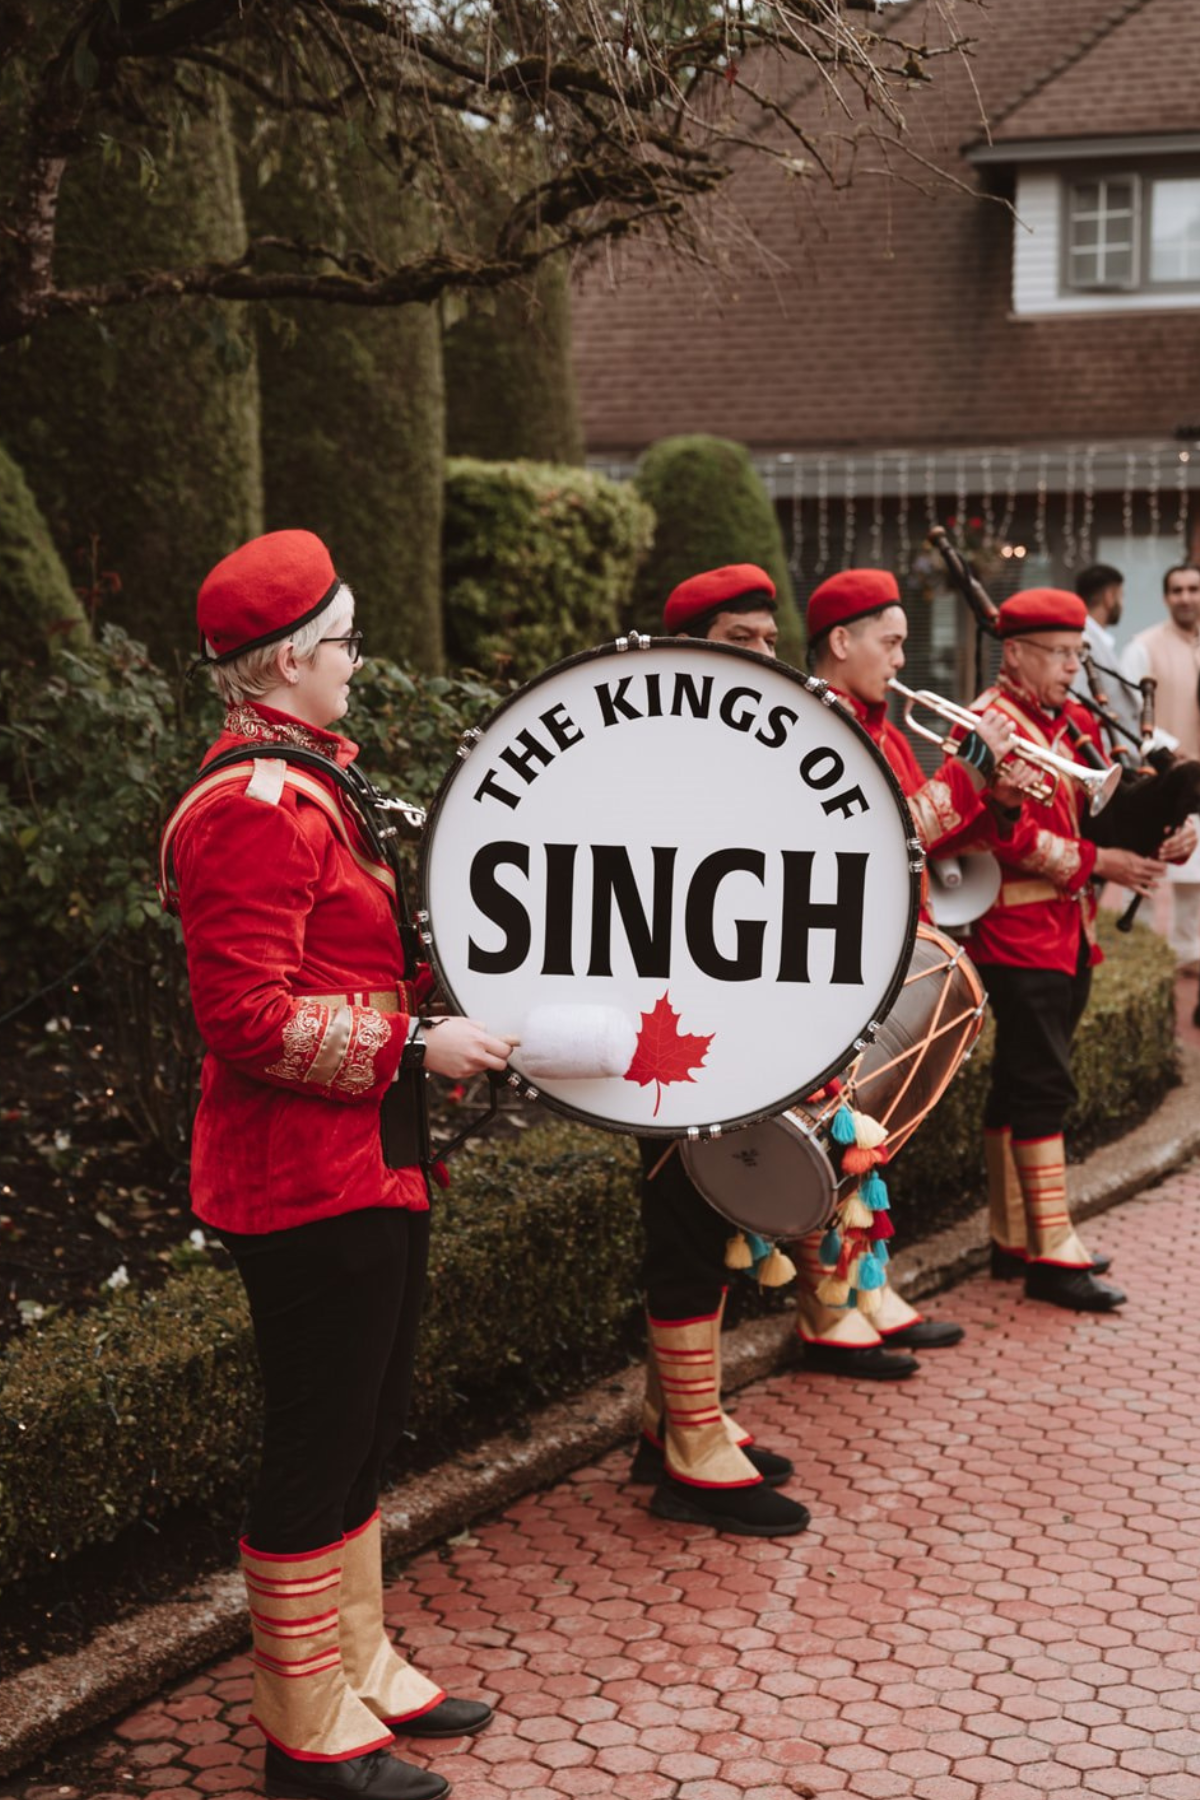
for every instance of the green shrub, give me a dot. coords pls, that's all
(152, 1400)
(711, 508)
(538, 561)
(1124, 1061)
(79, 839)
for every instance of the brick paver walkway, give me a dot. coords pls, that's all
(997, 1597)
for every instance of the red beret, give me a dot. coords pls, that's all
(263, 592)
(715, 588)
(1042, 609)
(854, 594)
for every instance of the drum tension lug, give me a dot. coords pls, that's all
(635, 641)
(703, 1134)
(467, 742)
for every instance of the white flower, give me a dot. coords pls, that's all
(62, 1140)
(118, 1279)
(197, 1240)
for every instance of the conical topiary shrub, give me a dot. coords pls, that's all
(712, 509)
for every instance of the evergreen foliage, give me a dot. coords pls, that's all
(138, 431)
(38, 605)
(352, 402)
(711, 509)
(539, 562)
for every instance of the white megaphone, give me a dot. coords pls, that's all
(962, 888)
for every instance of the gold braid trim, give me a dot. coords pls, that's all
(242, 721)
(303, 1037)
(369, 1034)
(934, 811)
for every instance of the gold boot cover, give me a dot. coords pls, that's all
(698, 1446)
(392, 1688)
(1042, 1169)
(653, 1405)
(1006, 1203)
(843, 1327)
(302, 1701)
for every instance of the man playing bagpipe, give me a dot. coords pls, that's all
(1035, 950)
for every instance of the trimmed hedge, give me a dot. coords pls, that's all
(1124, 1062)
(152, 1401)
(538, 561)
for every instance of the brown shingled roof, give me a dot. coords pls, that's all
(1137, 74)
(883, 315)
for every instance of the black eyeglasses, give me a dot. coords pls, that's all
(353, 642)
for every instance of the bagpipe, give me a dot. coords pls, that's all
(1157, 791)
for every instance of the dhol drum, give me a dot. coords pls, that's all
(779, 1177)
(695, 839)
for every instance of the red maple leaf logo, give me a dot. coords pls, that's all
(664, 1053)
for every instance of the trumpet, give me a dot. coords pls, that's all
(1098, 784)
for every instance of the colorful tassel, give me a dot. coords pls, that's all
(857, 1160)
(868, 1299)
(870, 1273)
(833, 1292)
(843, 1130)
(873, 1189)
(881, 1226)
(777, 1270)
(831, 1248)
(737, 1252)
(882, 1253)
(868, 1132)
(854, 1214)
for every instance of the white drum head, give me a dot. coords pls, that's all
(691, 835)
(774, 1178)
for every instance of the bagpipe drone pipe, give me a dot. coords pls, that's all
(1159, 790)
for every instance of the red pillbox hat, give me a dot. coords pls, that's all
(854, 594)
(707, 593)
(262, 592)
(1042, 609)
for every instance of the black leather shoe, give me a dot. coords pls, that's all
(1008, 1266)
(1076, 1289)
(744, 1511)
(376, 1776)
(449, 1718)
(649, 1463)
(925, 1334)
(866, 1364)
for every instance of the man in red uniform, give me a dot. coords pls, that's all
(856, 633)
(308, 1013)
(1035, 950)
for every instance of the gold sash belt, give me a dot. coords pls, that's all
(1028, 893)
(387, 1000)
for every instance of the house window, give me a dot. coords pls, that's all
(1175, 230)
(1102, 233)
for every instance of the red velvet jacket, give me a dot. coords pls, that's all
(1045, 901)
(297, 982)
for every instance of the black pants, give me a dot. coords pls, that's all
(1036, 1012)
(683, 1269)
(335, 1307)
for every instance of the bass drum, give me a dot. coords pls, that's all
(779, 1178)
(683, 848)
